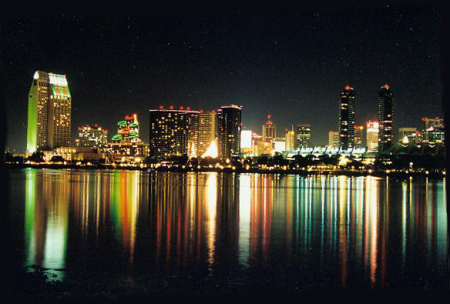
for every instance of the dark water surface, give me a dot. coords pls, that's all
(211, 232)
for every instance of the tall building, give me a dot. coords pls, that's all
(49, 112)
(358, 136)
(92, 136)
(247, 141)
(229, 129)
(303, 135)
(347, 118)
(386, 112)
(372, 130)
(290, 140)
(269, 130)
(333, 139)
(173, 132)
(432, 122)
(206, 130)
(433, 130)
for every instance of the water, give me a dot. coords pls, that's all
(140, 232)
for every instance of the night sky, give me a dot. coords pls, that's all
(291, 64)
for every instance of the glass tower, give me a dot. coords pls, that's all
(386, 112)
(347, 118)
(229, 123)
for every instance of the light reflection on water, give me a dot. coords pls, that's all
(315, 231)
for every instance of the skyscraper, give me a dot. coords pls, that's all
(49, 112)
(173, 132)
(358, 136)
(347, 118)
(433, 130)
(92, 136)
(229, 122)
(269, 130)
(333, 139)
(303, 135)
(290, 140)
(206, 130)
(372, 130)
(386, 112)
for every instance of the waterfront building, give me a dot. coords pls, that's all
(372, 130)
(358, 136)
(173, 132)
(92, 136)
(279, 144)
(269, 131)
(49, 112)
(333, 139)
(290, 140)
(246, 142)
(347, 118)
(433, 130)
(206, 130)
(71, 154)
(229, 129)
(303, 136)
(408, 132)
(127, 130)
(386, 113)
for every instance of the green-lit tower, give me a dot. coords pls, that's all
(49, 112)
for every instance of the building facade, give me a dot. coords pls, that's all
(206, 130)
(358, 136)
(433, 130)
(92, 136)
(372, 130)
(302, 136)
(347, 118)
(409, 133)
(229, 129)
(269, 130)
(386, 114)
(290, 140)
(49, 112)
(173, 132)
(333, 139)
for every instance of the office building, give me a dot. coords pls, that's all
(303, 136)
(333, 139)
(406, 132)
(229, 130)
(372, 130)
(347, 118)
(386, 113)
(269, 130)
(433, 130)
(206, 130)
(92, 136)
(49, 112)
(290, 140)
(358, 136)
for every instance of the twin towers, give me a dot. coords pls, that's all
(386, 109)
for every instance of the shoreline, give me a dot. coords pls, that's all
(301, 172)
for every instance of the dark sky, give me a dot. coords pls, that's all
(291, 64)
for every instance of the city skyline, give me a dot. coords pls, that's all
(188, 67)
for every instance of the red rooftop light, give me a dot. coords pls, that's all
(181, 107)
(188, 108)
(347, 87)
(386, 86)
(161, 107)
(171, 107)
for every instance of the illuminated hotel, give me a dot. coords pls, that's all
(92, 136)
(269, 130)
(229, 128)
(173, 132)
(206, 130)
(386, 111)
(372, 129)
(358, 136)
(302, 136)
(347, 117)
(49, 112)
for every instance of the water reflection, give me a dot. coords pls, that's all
(315, 231)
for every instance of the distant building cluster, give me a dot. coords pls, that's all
(199, 134)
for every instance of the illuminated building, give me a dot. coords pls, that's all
(173, 132)
(264, 148)
(372, 129)
(92, 136)
(333, 139)
(358, 136)
(409, 133)
(279, 144)
(303, 136)
(269, 130)
(290, 140)
(229, 127)
(386, 112)
(246, 141)
(206, 130)
(75, 154)
(433, 130)
(49, 112)
(127, 130)
(347, 118)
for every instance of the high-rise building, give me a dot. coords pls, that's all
(372, 130)
(433, 130)
(269, 130)
(127, 130)
(92, 136)
(386, 112)
(173, 132)
(432, 122)
(333, 139)
(229, 129)
(347, 118)
(358, 136)
(247, 141)
(290, 140)
(206, 130)
(49, 112)
(303, 135)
